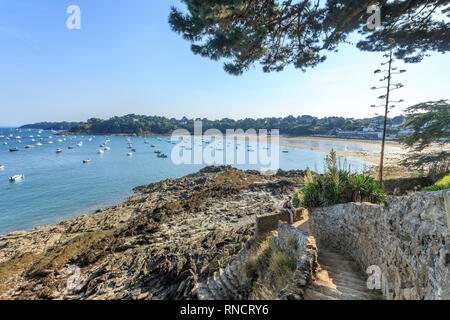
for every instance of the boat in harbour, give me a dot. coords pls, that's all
(130, 154)
(87, 161)
(2, 167)
(100, 151)
(17, 177)
(71, 147)
(162, 155)
(58, 150)
(14, 149)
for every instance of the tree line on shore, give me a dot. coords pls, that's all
(141, 124)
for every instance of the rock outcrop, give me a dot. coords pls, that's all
(160, 244)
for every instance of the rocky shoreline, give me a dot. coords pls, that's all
(157, 245)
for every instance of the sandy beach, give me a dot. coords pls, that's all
(393, 150)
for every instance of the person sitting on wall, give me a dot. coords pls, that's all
(290, 208)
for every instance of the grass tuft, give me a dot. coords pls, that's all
(270, 269)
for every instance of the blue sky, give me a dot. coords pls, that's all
(125, 59)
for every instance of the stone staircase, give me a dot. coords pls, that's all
(339, 278)
(230, 283)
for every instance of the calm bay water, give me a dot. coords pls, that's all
(58, 186)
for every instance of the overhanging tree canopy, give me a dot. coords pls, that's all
(300, 33)
(430, 124)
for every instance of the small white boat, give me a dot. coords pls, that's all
(107, 148)
(2, 167)
(130, 154)
(100, 151)
(29, 147)
(153, 146)
(39, 144)
(80, 144)
(71, 147)
(87, 161)
(17, 177)
(50, 142)
(60, 140)
(58, 150)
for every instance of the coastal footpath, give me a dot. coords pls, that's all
(159, 244)
(193, 238)
(406, 240)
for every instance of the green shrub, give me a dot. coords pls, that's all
(442, 184)
(296, 199)
(337, 186)
(436, 187)
(270, 269)
(367, 188)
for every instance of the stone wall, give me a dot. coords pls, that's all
(268, 222)
(229, 283)
(303, 248)
(407, 238)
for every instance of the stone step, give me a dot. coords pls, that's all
(215, 291)
(237, 274)
(350, 283)
(348, 266)
(339, 273)
(329, 292)
(345, 281)
(227, 290)
(238, 287)
(231, 281)
(340, 278)
(203, 293)
(313, 294)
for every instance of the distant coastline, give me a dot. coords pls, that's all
(65, 125)
(393, 149)
(290, 126)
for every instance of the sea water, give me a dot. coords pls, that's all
(58, 186)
